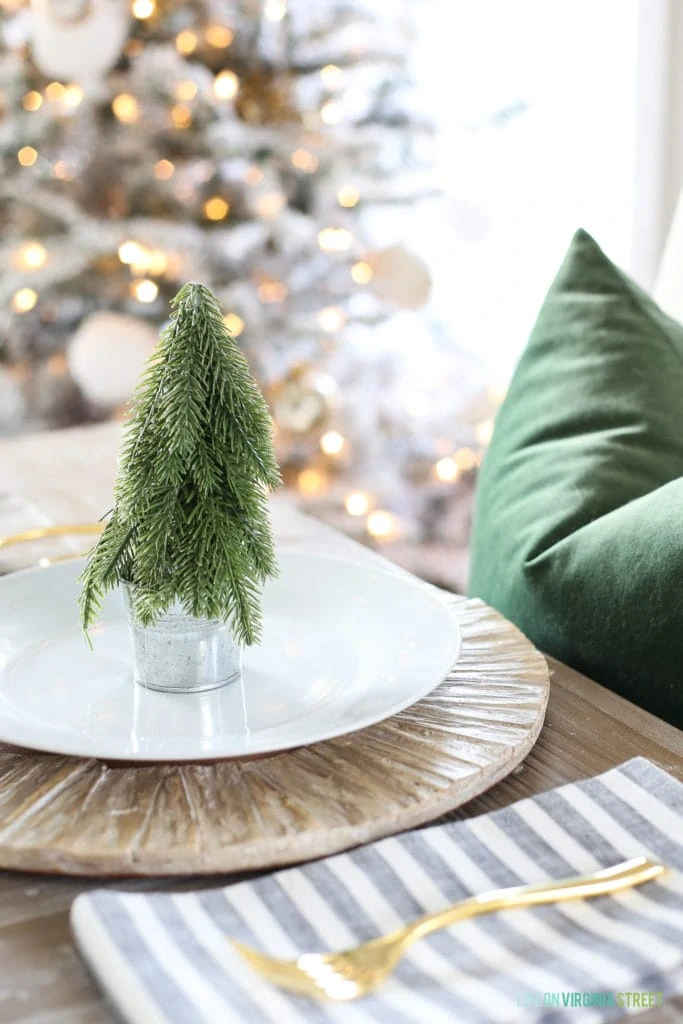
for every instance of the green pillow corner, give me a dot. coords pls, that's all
(578, 531)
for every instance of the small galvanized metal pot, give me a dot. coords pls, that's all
(183, 654)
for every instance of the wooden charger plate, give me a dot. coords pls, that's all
(67, 815)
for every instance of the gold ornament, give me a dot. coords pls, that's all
(266, 99)
(301, 403)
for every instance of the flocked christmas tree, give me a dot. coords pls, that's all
(190, 523)
(275, 150)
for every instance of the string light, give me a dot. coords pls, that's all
(335, 239)
(275, 10)
(331, 112)
(186, 42)
(131, 252)
(331, 318)
(157, 262)
(382, 525)
(357, 503)
(361, 272)
(163, 169)
(24, 300)
(348, 196)
(61, 170)
(234, 324)
(144, 290)
(270, 204)
(446, 469)
(143, 9)
(311, 481)
(133, 48)
(272, 291)
(30, 256)
(332, 442)
(219, 36)
(332, 76)
(125, 108)
(216, 208)
(55, 91)
(465, 458)
(253, 175)
(304, 160)
(186, 90)
(27, 156)
(32, 100)
(181, 115)
(73, 96)
(225, 85)
(484, 432)
(496, 393)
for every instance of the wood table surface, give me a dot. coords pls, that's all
(66, 476)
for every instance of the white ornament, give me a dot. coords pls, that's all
(106, 356)
(79, 40)
(400, 276)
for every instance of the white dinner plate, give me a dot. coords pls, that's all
(344, 646)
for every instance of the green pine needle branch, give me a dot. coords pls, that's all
(190, 521)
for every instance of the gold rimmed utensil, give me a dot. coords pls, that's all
(357, 972)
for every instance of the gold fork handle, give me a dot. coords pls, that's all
(600, 883)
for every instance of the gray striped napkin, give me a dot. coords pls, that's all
(164, 959)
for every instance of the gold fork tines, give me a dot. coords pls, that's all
(359, 971)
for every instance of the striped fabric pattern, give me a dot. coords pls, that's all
(164, 958)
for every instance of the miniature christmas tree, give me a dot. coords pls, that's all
(190, 523)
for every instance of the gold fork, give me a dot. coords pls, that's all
(359, 971)
(58, 530)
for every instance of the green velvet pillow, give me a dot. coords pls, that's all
(578, 532)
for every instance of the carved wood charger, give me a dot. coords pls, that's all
(82, 817)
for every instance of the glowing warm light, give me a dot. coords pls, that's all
(181, 115)
(446, 469)
(332, 442)
(484, 431)
(24, 300)
(61, 170)
(143, 9)
(270, 204)
(32, 100)
(73, 96)
(156, 263)
(331, 318)
(132, 252)
(332, 76)
(382, 525)
(234, 324)
(216, 208)
(186, 41)
(186, 90)
(496, 393)
(311, 481)
(27, 156)
(55, 91)
(272, 291)
(125, 108)
(357, 503)
(30, 256)
(331, 112)
(225, 85)
(361, 272)
(253, 175)
(275, 10)
(304, 160)
(219, 36)
(144, 290)
(335, 239)
(348, 196)
(163, 169)
(465, 458)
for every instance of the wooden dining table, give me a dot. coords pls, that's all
(66, 477)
